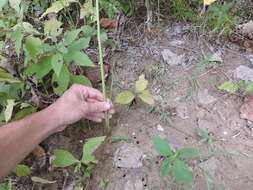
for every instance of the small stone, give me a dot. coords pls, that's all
(250, 58)
(160, 128)
(244, 73)
(208, 126)
(172, 58)
(128, 156)
(182, 112)
(205, 98)
(210, 165)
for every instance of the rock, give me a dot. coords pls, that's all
(244, 73)
(217, 57)
(177, 42)
(208, 126)
(246, 29)
(250, 58)
(182, 112)
(246, 110)
(159, 127)
(128, 156)
(205, 98)
(172, 58)
(210, 165)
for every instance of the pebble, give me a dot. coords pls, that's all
(244, 73)
(205, 98)
(171, 58)
(160, 128)
(128, 156)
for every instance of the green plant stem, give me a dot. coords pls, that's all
(102, 72)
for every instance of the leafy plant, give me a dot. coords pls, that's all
(173, 162)
(22, 170)
(233, 87)
(206, 137)
(7, 186)
(127, 96)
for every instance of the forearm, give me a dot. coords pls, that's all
(19, 138)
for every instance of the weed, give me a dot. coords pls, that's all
(233, 87)
(7, 186)
(127, 97)
(193, 85)
(103, 183)
(206, 137)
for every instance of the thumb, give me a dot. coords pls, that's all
(92, 107)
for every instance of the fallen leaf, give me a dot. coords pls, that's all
(9, 109)
(93, 73)
(39, 152)
(107, 23)
(43, 181)
(246, 110)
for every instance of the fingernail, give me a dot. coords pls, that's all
(107, 106)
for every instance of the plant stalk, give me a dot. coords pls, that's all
(102, 72)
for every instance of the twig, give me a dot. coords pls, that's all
(102, 72)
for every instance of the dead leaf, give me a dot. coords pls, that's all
(39, 152)
(246, 110)
(93, 73)
(107, 23)
(246, 29)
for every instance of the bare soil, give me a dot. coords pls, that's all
(184, 110)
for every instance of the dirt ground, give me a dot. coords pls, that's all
(186, 96)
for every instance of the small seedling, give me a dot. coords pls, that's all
(103, 183)
(233, 87)
(127, 96)
(7, 186)
(173, 161)
(206, 137)
(22, 170)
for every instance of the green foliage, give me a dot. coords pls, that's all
(63, 159)
(126, 97)
(22, 170)
(103, 183)
(233, 87)
(206, 137)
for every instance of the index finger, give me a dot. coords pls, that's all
(92, 93)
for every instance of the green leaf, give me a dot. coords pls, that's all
(57, 6)
(24, 112)
(182, 172)
(9, 109)
(15, 4)
(161, 146)
(71, 36)
(166, 167)
(33, 46)
(229, 87)
(141, 84)
(21, 170)
(57, 63)
(79, 58)
(52, 27)
(63, 158)
(87, 30)
(103, 183)
(40, 69)
(40, 180)
(7, 77)
(249, 86)
(78, 45)
(89, 147)
(62, 81)
(125, 97)
(188, 153)
(146, 97)
(17, 38)
(80, 79)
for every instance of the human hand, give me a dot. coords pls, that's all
(81, 102)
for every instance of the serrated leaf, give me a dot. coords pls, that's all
(188, 153)
(40, 69)
(141, 84)
(62, 81)
(71, 36)
(166, 167)
(79, 58)
(15, 4)
(78, 45)
(146, 97)
(80, 79)
(17, 38)
(161, 146)
(21, 170)
(40, 180)
(57, 6)
(125, 97)
(182, 172)
(89, 147)
(33, 46)
(57, 63)
(63, 158)
(9, 109)
(249, 86)
(229, 87)
(52, 27)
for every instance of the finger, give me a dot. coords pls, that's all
(112, 111)
(88, 92)
(97, 115)
(94, 119)
(96, 107)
